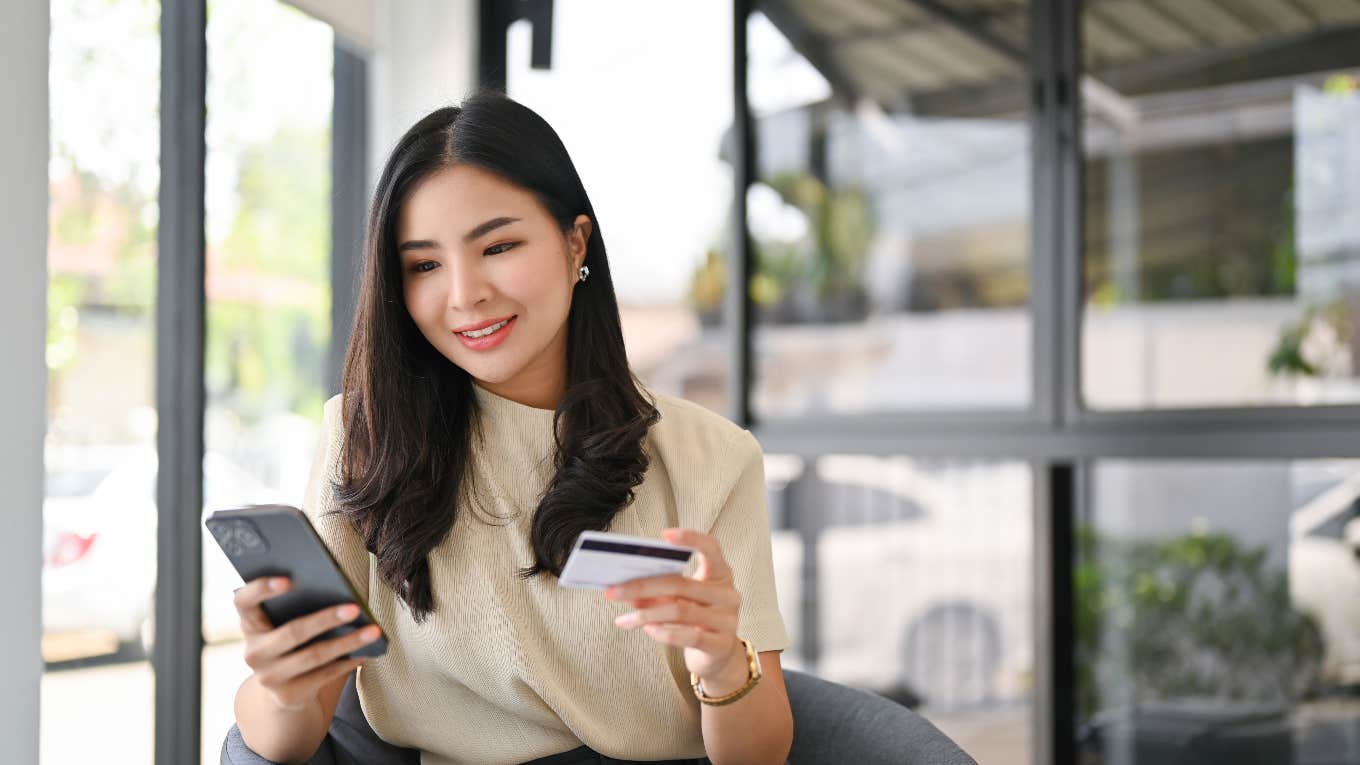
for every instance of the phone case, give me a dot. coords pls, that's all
(279, 540)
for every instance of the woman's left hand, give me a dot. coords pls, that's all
(698, 613)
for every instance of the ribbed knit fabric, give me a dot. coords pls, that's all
(506, 670)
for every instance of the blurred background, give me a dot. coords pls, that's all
(1047, 315)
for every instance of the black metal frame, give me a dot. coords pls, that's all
(1054, 717)
(737, 311)
(349, 198)
(493, 18)
(180, 315)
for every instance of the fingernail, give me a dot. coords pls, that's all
(611, 592)
(278, 584)
(626, 620)
(347, 612)
(368, 634)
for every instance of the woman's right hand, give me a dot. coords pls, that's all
(294, 678)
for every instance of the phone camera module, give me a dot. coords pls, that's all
(239, 537)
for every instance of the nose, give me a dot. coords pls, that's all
(468, 286)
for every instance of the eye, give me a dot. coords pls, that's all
(506, 245)
(420, 267)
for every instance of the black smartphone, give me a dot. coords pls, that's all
(279, 540)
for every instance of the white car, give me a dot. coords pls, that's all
(99, 543)
(923, 583)
(1324, 575)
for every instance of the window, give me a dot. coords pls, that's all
(890, 213)
(99, 520)
(1216, 612)
(1222, 157)
(910, 578)
(268, 217)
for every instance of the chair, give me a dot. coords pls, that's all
(832, 723)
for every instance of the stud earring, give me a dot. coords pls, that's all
(583, 273)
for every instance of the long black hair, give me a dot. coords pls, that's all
(409, 412)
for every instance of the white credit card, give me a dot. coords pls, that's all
(601, 559)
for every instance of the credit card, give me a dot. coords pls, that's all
(601, 559)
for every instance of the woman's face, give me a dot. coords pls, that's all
(488, 277)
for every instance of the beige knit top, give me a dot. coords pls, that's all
(505, 669)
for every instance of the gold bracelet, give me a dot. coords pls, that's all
(753, 668)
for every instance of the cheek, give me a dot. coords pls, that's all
(537, 284)
(423, 301)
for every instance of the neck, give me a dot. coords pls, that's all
(536, 395)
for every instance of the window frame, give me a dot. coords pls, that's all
(181, 305)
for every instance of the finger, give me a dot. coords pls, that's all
(305, 660)
(259, 589)
(712, 564)
(247, 600)
(713, 643)
(639, 603)
(676, 586)
(286, 637)
(681, 613)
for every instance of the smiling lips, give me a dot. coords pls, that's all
(487, 334)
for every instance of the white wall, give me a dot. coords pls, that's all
(352, 20)
(424, 56)
(23, 300)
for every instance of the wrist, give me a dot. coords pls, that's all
(732, 675)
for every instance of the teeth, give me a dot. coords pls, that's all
(485, 331)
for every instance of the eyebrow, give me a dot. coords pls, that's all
(476, 233)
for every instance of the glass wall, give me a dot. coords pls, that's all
(99, 514)
(890, 223)
(640, 94)
(1222, 170)
(268, 218)
(911, 578)
(1218, 613)
(268, 253)
(891, 210)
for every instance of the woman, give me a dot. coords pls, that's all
(487, 417)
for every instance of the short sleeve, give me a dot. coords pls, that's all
(742, 529)
(319, 502)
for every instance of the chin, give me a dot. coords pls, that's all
(487, 371)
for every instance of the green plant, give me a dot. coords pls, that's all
(709, 282)
(830, 262)
(1289, 358)
(1197, 616)
(842, 226)
(65, 296)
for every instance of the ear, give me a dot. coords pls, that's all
(577, 239)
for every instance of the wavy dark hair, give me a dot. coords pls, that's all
(410, 413)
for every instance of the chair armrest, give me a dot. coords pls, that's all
(235, 752)
(349, 741)
(831, 723)
(836, 723)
